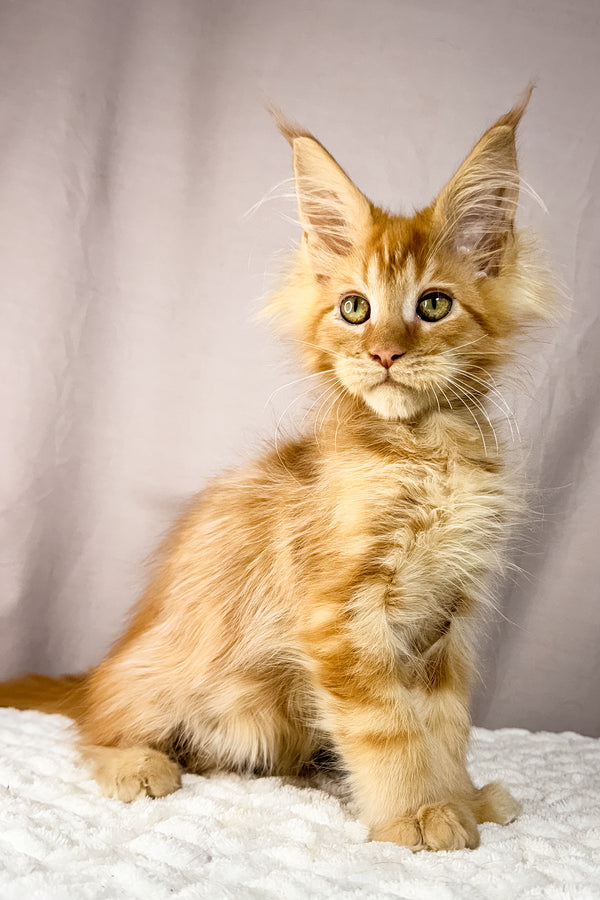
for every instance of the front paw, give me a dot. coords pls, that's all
(404, 831)
(436, 826)
(448, 826)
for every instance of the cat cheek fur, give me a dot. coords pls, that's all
(323, 597)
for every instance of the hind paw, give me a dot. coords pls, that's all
(494, 803)
(128, 773)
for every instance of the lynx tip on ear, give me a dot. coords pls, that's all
(289, 129)
(514, 115)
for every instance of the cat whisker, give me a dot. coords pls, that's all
(338, 423)
(312, 406)
(479, 406)
(504, 408)
(437, 399)
(333, 390)
(474, 417)
(282, 416)
(482, 368)
(269, 195)
(320, 347)
(336, 400)
(291, 220)
(292, 383)
(446, 398)
(308, 389)
(491, 386)
(469, 343)
(472, 397)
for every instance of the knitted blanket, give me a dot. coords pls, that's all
(225, 836)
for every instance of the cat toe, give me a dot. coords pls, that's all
(128, 773)
(403, 831)
(448, 826)
(495, 804)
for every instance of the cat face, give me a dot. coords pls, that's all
(409, 314)
(401, 325)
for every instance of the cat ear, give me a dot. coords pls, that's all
(475, 211)
(333, 211)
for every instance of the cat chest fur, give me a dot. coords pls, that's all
(424, 536)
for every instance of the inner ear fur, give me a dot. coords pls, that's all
(333, 212)
(475, 211)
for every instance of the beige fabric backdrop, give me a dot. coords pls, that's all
(133, 140)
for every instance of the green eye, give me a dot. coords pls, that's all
(433, 306)
(355, 309)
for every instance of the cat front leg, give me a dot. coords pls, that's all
(442, 693)
(409, 789)
(451, 809)
(406, 770)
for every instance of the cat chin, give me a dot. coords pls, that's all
(391, 401)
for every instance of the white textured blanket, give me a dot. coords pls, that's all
(232, 837)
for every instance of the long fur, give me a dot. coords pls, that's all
(321, 601)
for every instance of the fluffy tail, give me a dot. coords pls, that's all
(50, 695)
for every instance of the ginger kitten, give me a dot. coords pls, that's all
(324, 596)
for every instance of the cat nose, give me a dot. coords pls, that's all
(386, 356)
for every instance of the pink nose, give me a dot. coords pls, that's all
(387, 356)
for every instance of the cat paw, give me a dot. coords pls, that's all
(448, 826)
(436, 826)
(128, 773)
(494, 803)
(404, 831)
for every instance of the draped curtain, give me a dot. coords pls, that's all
(144, 213)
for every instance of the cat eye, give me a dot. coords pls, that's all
(433, 306)
(355, 309)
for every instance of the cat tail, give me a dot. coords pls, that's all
(64, 695)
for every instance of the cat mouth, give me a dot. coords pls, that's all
(390, 386)
(387, 386)
(388, 378)
(392, 399)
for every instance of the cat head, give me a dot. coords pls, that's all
(408, 313)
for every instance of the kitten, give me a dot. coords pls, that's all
(322, 598)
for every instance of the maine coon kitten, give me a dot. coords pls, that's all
(323, 597)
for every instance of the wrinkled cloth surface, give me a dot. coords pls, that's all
(226, 837)
(133, 141)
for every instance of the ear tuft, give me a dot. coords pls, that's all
(514, 115)
(288, 128)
